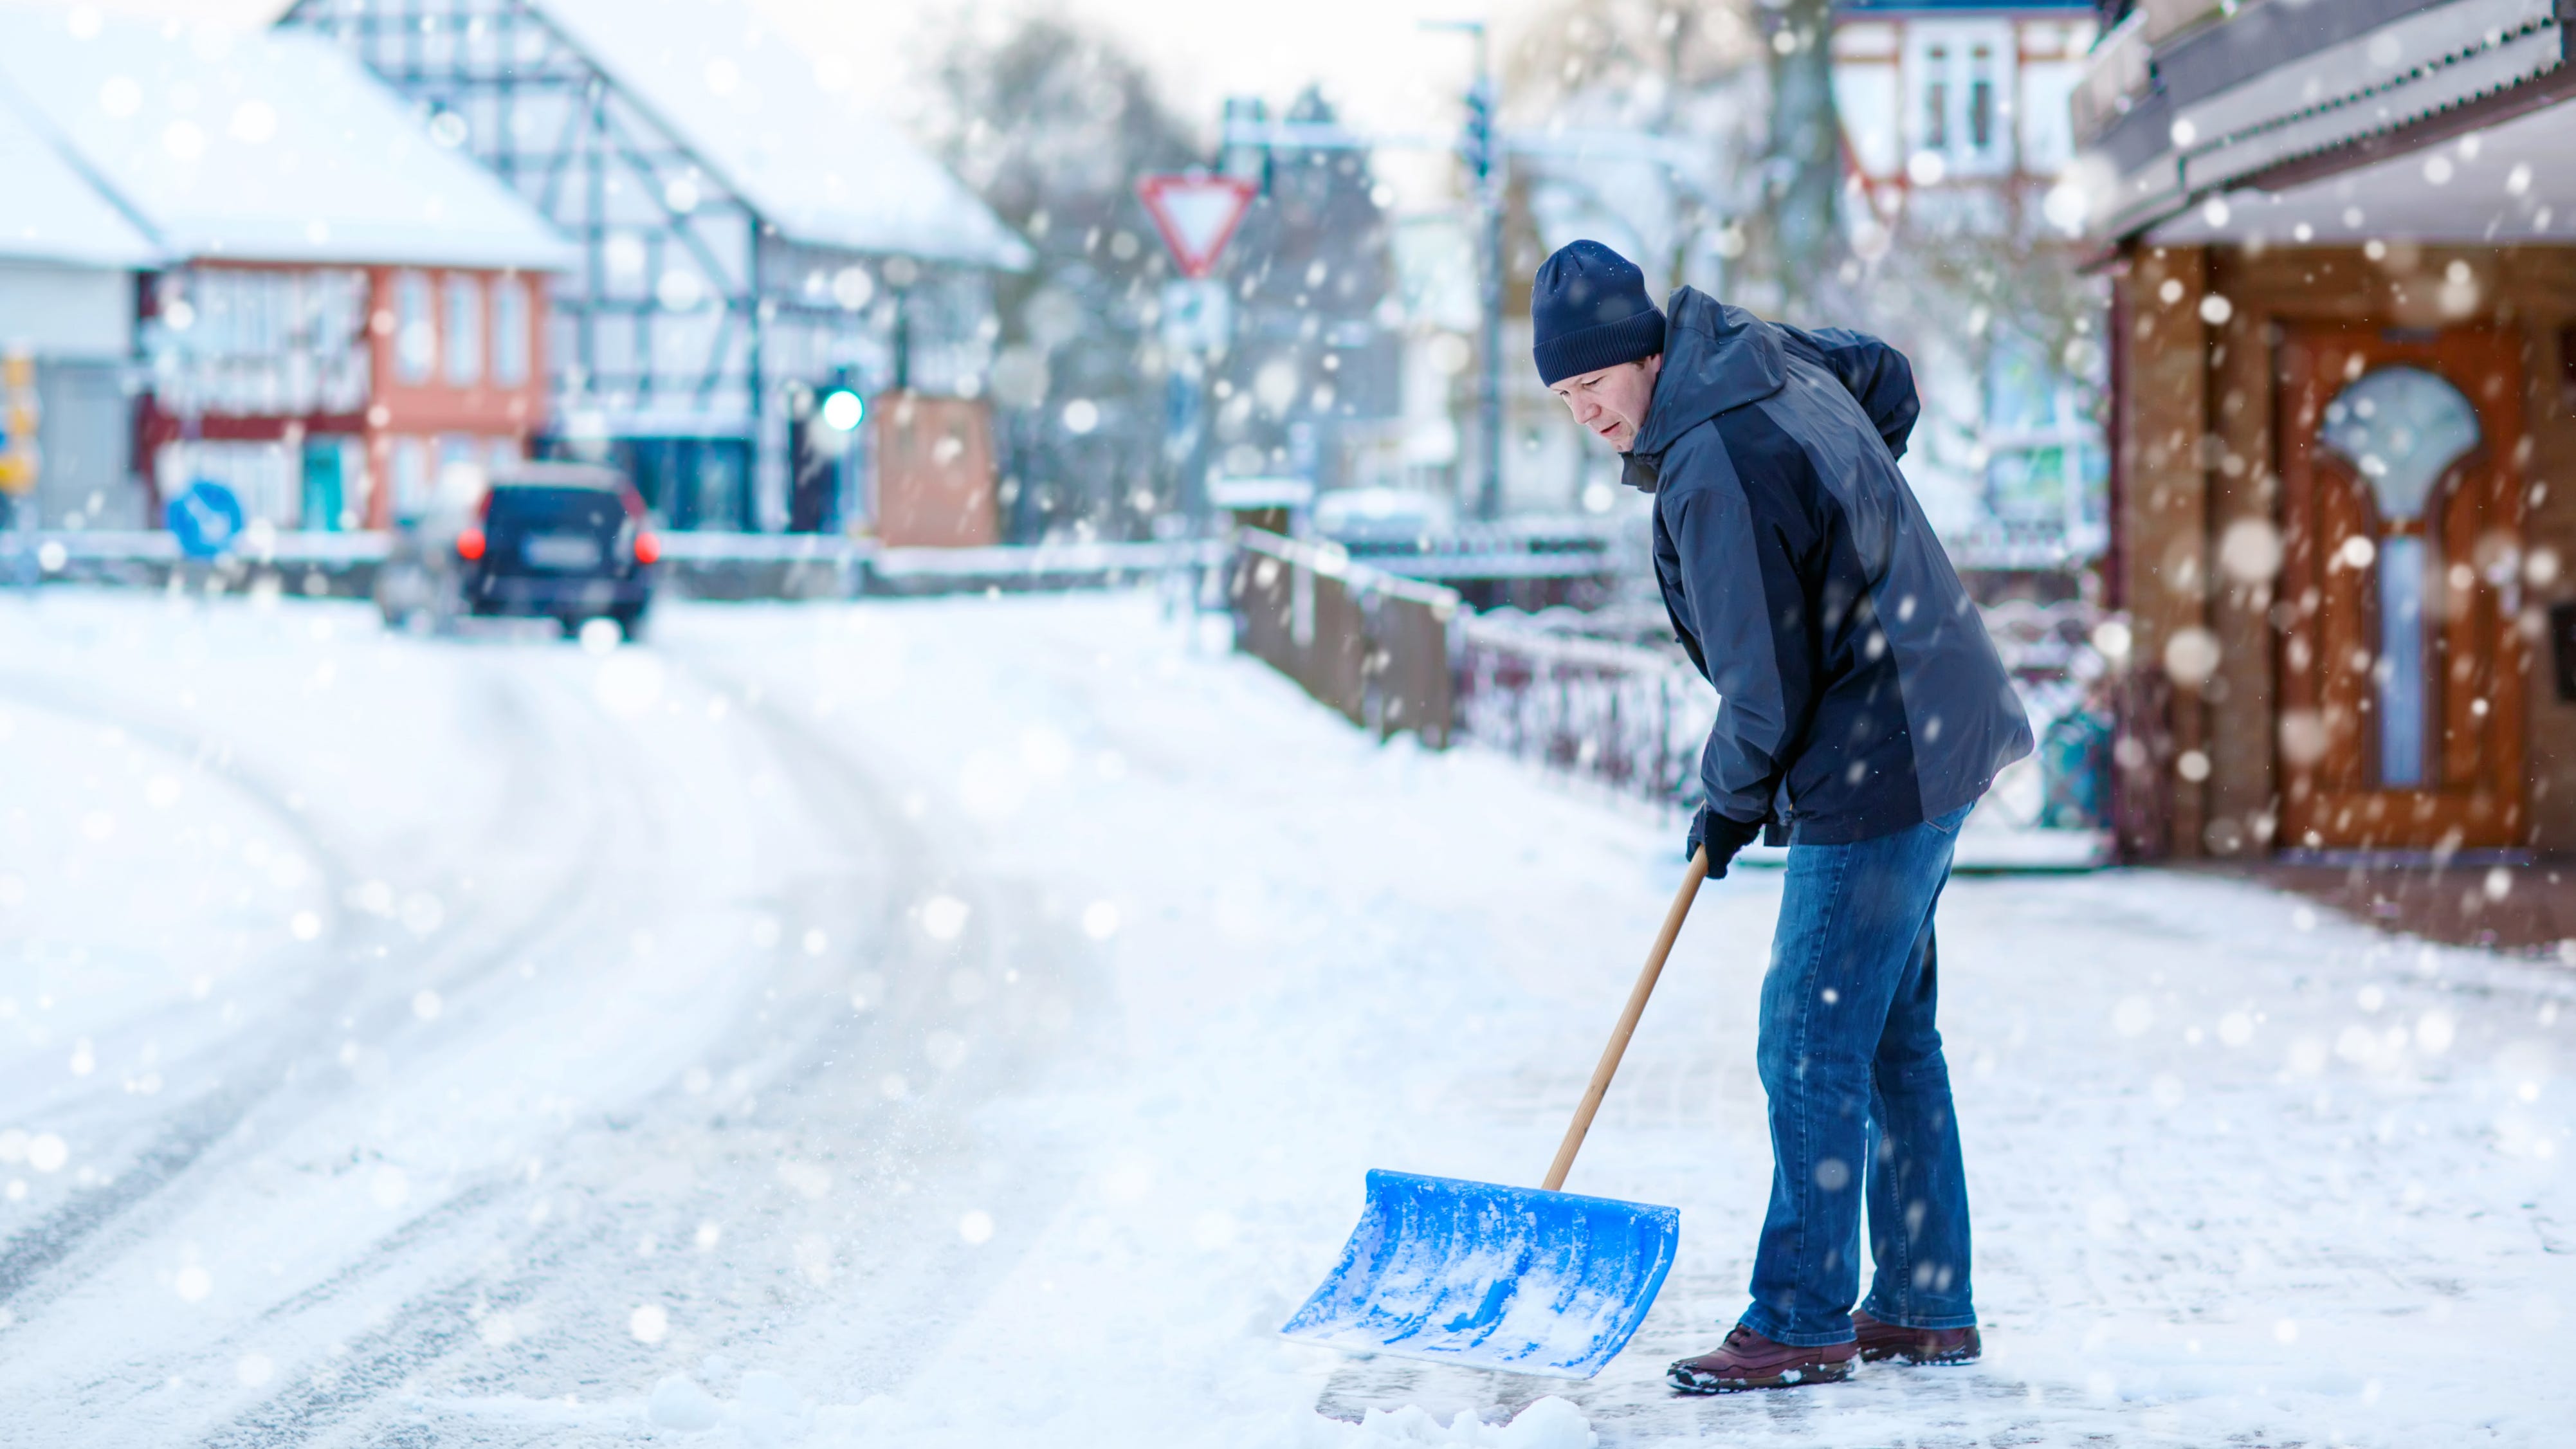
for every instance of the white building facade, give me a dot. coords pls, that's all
(69, 263)
(1958, 140)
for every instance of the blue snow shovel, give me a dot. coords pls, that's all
(1533, 1281)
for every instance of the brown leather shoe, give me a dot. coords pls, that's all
(1747, 1360)
(1880, 1341)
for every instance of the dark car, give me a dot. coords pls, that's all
(561, 541)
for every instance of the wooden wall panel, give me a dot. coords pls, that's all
(2164, 542)
(2246, 551)
(2539, 286)
(2199, 398)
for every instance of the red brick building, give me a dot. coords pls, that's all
(344, 308)
(337, 397)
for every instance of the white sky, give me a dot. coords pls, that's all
(1381, 69)
(1372, 56)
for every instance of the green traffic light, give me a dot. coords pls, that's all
(842, 409)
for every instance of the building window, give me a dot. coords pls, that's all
(2402, 430)
(1981, 98)
(415, 330)
(510, 336)
(2046, 127)
(411, 477)
(261, 341)
(1960, 96)
(461, 475)
(464, 329)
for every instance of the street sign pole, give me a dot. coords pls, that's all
(1196, 215)
(1196, 325)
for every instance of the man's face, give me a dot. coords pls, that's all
(1611, 404)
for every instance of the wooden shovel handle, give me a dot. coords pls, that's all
(1601, 1075)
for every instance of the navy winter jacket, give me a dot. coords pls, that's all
(1858, 691)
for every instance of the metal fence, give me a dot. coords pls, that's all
(1370, 644)
(1395, 654)
(1629, 718)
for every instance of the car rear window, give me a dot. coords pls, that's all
(529, 508)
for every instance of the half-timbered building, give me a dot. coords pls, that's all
(748, 234)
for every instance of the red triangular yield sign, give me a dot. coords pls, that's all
(1197, 215)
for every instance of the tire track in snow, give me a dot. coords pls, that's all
(428, 1326)
(899, 1266)
(186, 1159)
(431, 1326)
(31, 1252)
(825, 1093)
(811, 1069)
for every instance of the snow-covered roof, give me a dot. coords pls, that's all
(805, 154)
(53, 213)
(2273, 95)
(2508, 183)
(256, 145)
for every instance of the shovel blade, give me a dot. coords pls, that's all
(1497, 1277)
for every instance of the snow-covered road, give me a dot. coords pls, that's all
(967, 1024)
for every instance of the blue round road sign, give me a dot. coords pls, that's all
(206, 518)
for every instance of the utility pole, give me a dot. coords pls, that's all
(1480, 147)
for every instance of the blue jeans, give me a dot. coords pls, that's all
(1860, 1097)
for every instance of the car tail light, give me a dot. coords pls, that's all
(648, 549)
(469, 544)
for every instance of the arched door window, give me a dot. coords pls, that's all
(2401, 429)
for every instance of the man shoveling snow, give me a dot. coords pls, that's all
(1863, 712)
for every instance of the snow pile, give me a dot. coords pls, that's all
(766, 1413)
(678, 1403)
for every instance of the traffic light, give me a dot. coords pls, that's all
(1478, 142)
(841, 408)
(827, 450)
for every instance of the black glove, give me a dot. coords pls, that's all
(1722, 836)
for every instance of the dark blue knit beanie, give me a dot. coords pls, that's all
(1588, 311)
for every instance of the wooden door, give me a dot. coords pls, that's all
(2401, 667)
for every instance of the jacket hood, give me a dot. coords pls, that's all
(1716, 357)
